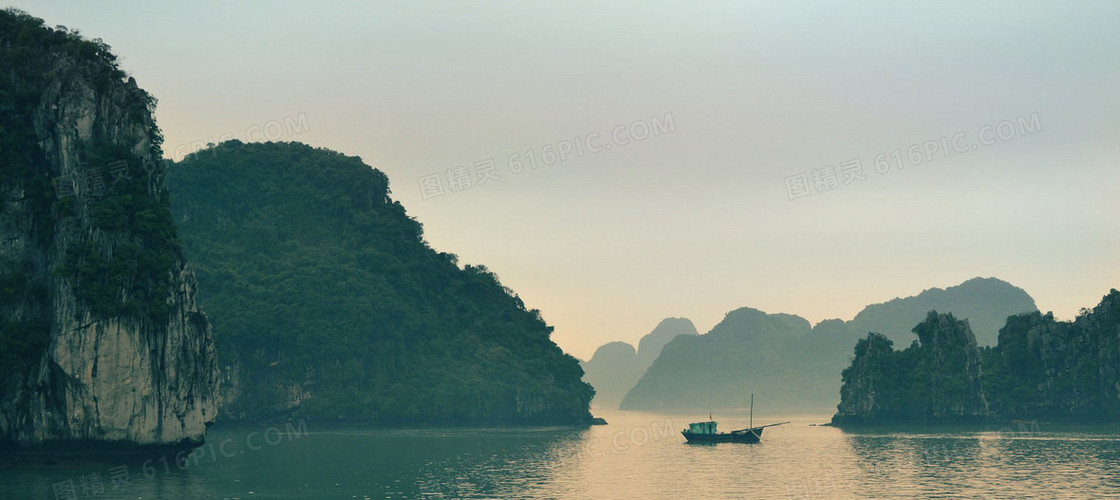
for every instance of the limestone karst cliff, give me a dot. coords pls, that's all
(100, 336)
(1041, 369)
(936, 379)
(1057, 370)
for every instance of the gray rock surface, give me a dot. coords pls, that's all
(133, 377)
(935, 380)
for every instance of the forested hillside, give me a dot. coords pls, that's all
(326, 300)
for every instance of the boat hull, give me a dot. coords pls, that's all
(746, 436)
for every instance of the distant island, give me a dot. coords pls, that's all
(1040, 369)
(795, 366)
(616, 366)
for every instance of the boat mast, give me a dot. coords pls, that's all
(752, 411)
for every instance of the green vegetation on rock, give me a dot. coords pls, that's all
(100, 338)
(1041, 369)
(1057, 370)
(936, 379)
(327, 302)
(130, 280)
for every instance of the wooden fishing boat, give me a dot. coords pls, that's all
(707, 432)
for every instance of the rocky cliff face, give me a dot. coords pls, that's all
(1103, 323)
(102, 339)
(949, 366)
(865, 394)
(1051, 369)
(1041, 369)
(937, 379)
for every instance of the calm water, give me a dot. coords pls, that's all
(639, 455)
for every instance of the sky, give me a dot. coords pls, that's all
(616, 163)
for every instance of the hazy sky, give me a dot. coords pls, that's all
(723, 187)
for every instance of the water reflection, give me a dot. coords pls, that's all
(638, 455)
(1011, 462)
(500, 463)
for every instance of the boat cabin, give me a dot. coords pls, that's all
(708, 427)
